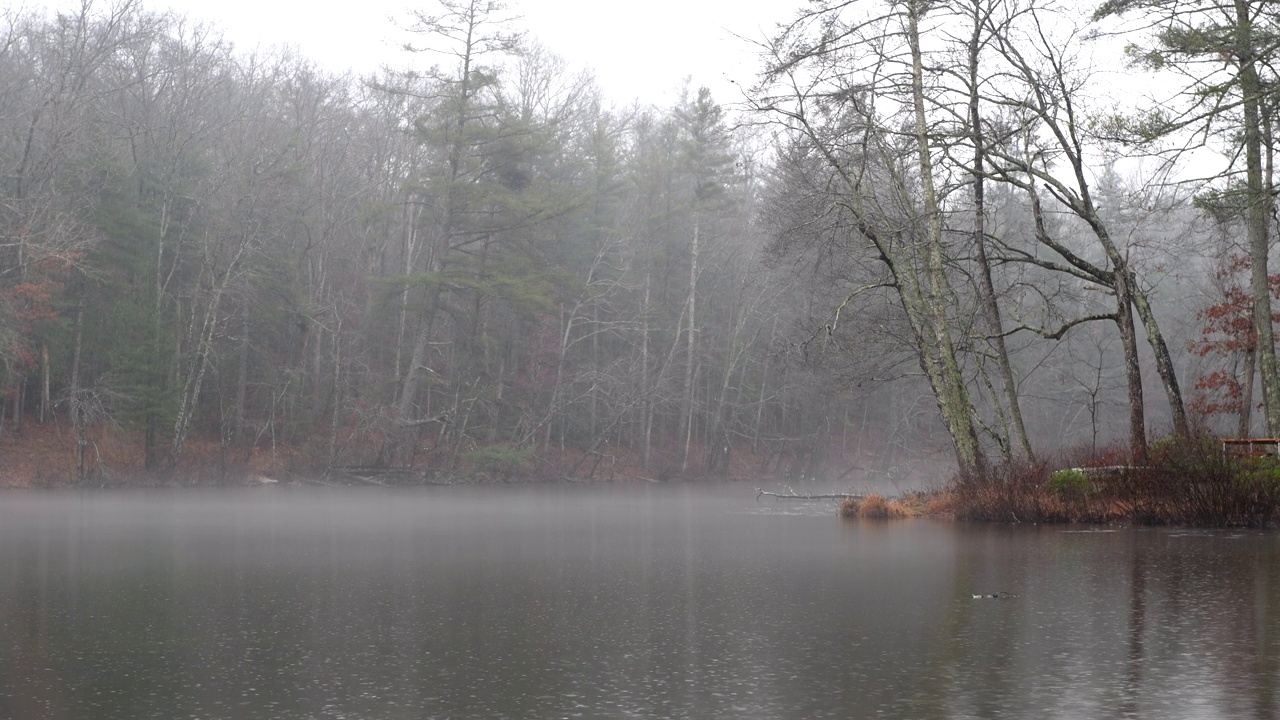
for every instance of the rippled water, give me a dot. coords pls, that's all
(631, 601)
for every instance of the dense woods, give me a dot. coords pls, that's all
(929, 232)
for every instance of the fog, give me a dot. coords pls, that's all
(871, 266)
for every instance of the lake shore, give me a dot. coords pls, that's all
(1185, 481)
(1189, 481)
(43, 455)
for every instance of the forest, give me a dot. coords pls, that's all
(932, 236)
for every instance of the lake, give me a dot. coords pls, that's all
(613, 601)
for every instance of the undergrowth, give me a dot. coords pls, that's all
(1185, 481)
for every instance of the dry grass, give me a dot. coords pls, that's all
(936, 503)
(877, 507)
(849, 507)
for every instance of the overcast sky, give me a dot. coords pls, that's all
(637, 50)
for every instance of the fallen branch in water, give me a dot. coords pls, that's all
(793, 495)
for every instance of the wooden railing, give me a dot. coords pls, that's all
(1251, 447)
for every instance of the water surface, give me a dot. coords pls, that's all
(624, 601)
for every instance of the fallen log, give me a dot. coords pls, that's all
(793, 495)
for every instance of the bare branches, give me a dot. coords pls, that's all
(1062, 329)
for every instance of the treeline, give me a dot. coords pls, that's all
(477, 260)
(929, 227)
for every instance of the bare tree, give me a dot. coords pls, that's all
(834, 93)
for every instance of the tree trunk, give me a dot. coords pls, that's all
(198, 364)
(19, 392)
(1164, 362)
(413, 373)
(1132, 370)
(436, 259)
(990, 307)
(647, 419)
(690, 347)
(77, 403)
(410, 238)
(242, 376)
(1257, 214)
(46, 405)
(1246, 393)
(565, 334)
(953, 397)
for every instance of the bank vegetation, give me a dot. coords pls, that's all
(1187, 481)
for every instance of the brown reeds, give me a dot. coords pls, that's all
(876, 507)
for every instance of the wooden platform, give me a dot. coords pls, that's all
(1251, 447)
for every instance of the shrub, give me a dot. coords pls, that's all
(1011, 491)
(1263, 471)
(1073, 483)
(1190, 480)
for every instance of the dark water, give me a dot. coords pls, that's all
(613, 602)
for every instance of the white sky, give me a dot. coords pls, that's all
(638, 50)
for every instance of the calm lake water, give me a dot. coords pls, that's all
(633, 601)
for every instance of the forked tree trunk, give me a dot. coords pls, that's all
(952, 395)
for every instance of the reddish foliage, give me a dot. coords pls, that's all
(1221, 393)
(1227, 333)
(30, 303)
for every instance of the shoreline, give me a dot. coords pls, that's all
(1187, 482)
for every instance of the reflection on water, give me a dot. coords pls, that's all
(613, 602)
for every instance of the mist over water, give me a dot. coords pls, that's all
(623, 601)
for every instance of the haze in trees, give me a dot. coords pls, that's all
(920, 235)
